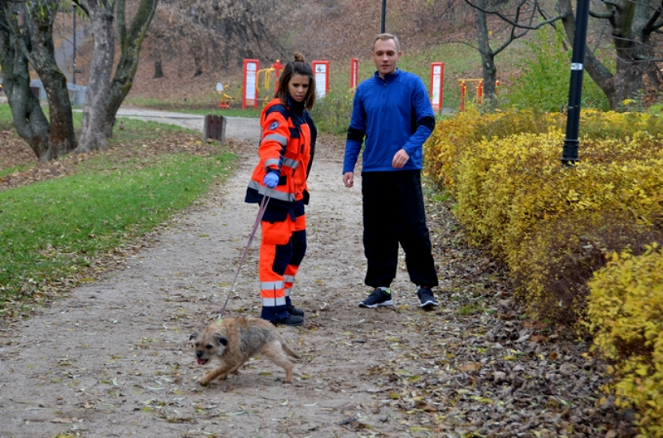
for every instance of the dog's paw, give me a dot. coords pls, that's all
(203, 382)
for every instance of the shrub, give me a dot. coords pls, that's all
(544, 83)
(554, 226)
(331, 114)
(552, 265)
(454, 136)
(514, 197)
(625, 311)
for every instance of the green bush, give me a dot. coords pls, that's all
(544, 84)
(331, 114)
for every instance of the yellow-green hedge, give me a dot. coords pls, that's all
(625, 310)
(552, 225)
(455, 135)
(555, 226)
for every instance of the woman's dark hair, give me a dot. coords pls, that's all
(297, 67)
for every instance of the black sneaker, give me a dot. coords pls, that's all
(294, 311)
(426, 298)
(379, 297)
(291, 321)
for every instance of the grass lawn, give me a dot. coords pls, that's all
(55, 231)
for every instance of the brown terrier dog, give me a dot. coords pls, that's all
(234, 340)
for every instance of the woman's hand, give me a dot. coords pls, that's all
(271, 180)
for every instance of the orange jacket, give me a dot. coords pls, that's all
(287, 145)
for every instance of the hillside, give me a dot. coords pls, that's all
(334, 30)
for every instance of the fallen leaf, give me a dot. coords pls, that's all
(470, 367)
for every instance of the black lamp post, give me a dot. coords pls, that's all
(384, 15)
(570, 152)
(74, 73)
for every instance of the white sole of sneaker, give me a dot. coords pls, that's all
(375, 306)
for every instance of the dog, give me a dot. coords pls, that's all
(234, 340)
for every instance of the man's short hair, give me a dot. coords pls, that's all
(386, 37)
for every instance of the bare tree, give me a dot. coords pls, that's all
(212, 34)
(634, 39)
(634, 28)
(518, 19)
(40, 18)
(32, 44)
(29, 119)
(104, 96)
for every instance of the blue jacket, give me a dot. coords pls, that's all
(392, 113)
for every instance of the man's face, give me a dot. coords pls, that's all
(385, 56)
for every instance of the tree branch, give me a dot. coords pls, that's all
(613, 4)
(602, 15)
(512, 22)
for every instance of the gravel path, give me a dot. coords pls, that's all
(114, 359)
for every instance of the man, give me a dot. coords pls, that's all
(393, 112)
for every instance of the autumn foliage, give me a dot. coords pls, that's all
(626, 312)
(555, 227)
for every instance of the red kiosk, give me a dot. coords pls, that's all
(250, 89)
(354, 74)
(437, 85)
(321, 74)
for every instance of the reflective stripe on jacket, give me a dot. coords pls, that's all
(287, 144)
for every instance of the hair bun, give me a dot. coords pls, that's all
(299, 57)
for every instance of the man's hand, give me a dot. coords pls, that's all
(400, 159)
(271, 180)
(348, 179)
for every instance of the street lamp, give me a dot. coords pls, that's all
(570, 151)
(74, 73)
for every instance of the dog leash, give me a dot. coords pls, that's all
(261, 212)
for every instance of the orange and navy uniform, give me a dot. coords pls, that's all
(287, 146)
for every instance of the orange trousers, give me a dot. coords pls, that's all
(282, 249)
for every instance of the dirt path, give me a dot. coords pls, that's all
(114, 359)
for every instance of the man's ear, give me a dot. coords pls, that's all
(221, 340)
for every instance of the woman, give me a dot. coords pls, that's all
(286, 153)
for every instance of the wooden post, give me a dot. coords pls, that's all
(215, 128)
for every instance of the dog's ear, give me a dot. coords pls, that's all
(193, 336)
(221, 340)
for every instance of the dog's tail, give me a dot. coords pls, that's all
(289, 350)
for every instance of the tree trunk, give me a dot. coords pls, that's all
(130, 43)
(29, 119)
(158, 69)
(98, 88)
(630, 37)
(62, 138)
(628, 75)
(487, 56)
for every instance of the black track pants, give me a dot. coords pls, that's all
(393, 211)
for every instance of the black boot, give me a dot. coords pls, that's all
(294, 311)
(291, 321)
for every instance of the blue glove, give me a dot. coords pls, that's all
(271, 180)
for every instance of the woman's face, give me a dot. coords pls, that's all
(298, 87)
